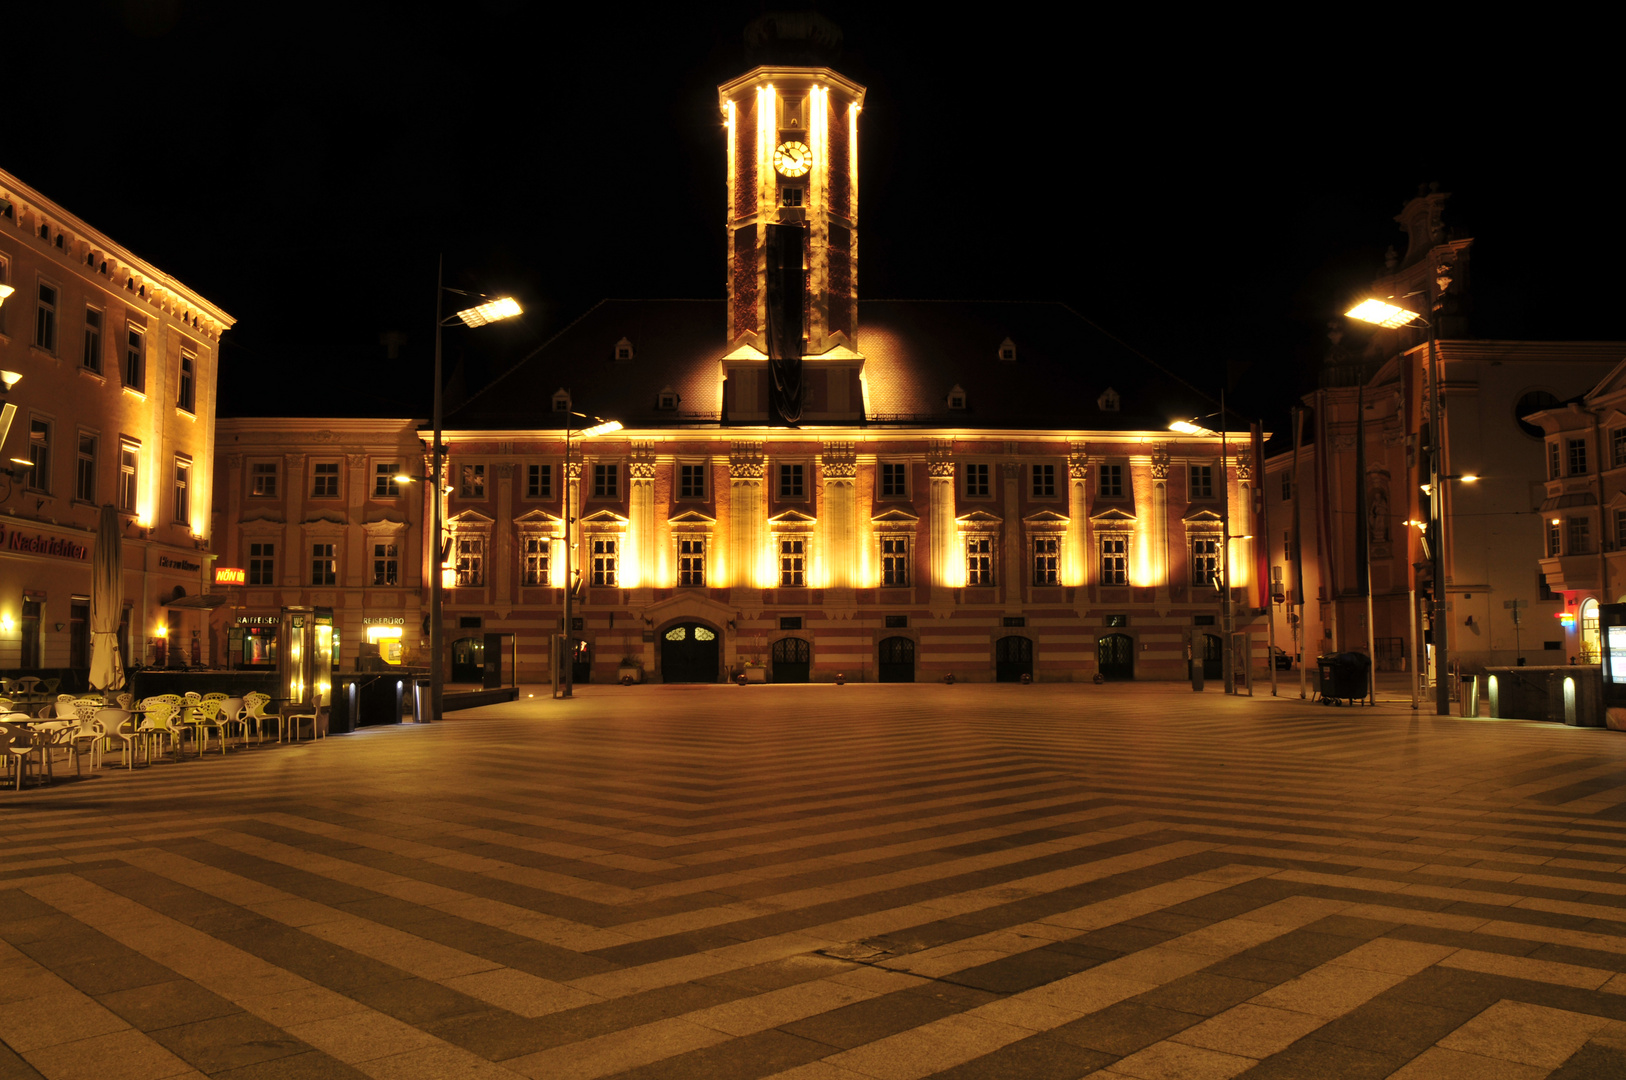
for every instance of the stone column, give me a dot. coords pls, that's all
(1160, 519)
(1242, 524)
(1078, 516)
(746, 514)
(940, 470)
(839, 534)
(573, 527)
(641, 521)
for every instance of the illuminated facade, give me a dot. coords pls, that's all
(1499, 605)
(819, 485)
(315, 513)
(115, 404)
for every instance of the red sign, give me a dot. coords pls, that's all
(230, 575)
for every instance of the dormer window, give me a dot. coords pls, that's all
(956, 398)
(1007, 351)
(561, 400)
(623, 349)
(1108, 401)
(667, 399)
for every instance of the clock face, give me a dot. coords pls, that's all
(792, 159)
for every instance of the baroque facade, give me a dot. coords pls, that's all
(115, 404)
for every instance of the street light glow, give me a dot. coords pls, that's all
(1186, 427)
(1381, 313)
(603, 428)
(491, 311)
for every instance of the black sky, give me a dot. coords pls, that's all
(1209, 188)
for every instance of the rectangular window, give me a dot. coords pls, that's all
(790, 481)
(1617, 447)
(692, 561)
(1580, 537)
(45, 319)
(263, 479)
(691, 481)
(325, 480)
(1287, 487)
(93, 340)
(979, 560)
(471, 562)
(39, 455)
(385, 564)
(1115, 560)
(262, 564)
(183, 491)
(471, 482)
(1202, 481)
(605, 563)
(607, 481)
(1553, 471)
(1289, 549)
(84, 476)
(1577, 456)
(5, 278)
(894, 561)
(186, 399)
(129, 460)
(135, 356)
(1554, 539)
(976, 480)
(539, 481)
(792, 563)
(1044, 481)
(791, 196)
(894, 480)
(537, 554)
(1046, 560)
(1112, 482)
(385, 484)
(324, 565)
(1205, 566)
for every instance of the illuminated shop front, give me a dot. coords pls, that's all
(387, 633)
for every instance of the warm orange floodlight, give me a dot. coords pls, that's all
(1382, 314)
(600, 429)
(491, 311)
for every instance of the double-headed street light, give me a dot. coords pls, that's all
(479, 315)
(599, 426)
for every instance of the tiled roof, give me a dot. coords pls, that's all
(915, 351)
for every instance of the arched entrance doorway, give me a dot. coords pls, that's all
(1115, 655)
(1013, 658)
(1213, 657)
(1591, 646)
(469, 659)
(896, 660)
(792, 660)
(690, 653)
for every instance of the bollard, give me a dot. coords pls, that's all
(1196, 675)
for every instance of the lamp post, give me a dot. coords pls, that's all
(1390, 316)
(1188, 427)
(479, 315)
(600, 426)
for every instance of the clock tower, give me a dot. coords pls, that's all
(792, 217)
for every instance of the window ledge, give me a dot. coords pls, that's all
(90, 373)
(137, 394)
(180, 411)
(46, 353)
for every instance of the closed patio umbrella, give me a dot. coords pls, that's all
(107, 603)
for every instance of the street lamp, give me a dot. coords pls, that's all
(1189, 427)
(1390, 316)
(600, 426)
(479, 315)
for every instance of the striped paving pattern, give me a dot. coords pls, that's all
(859, 883)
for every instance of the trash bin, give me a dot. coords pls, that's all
(420, 700)
(1468, 698)
(1343, 677)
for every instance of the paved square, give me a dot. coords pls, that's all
(824, 882)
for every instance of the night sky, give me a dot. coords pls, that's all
(1211, 192)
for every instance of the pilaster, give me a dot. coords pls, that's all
(940, 473)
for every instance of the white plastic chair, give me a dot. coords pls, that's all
(121, 724)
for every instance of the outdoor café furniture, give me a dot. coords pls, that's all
(85, 738)
(317, 716)
(19, 743)
(159, 723)
(121, 724)
(51, 685)
(28, 688)
(254, 704)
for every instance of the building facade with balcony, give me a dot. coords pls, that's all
(115, 404)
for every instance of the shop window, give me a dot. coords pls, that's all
(692, 561)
